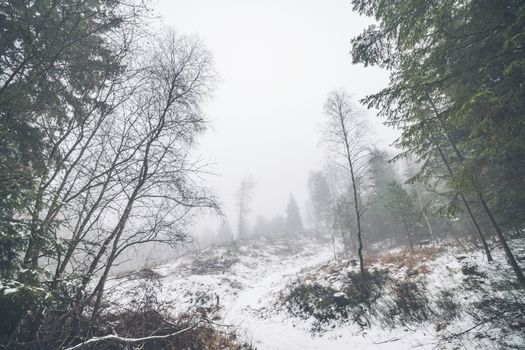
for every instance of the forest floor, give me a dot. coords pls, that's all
(285, 295)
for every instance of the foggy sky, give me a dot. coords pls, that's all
(277, 60)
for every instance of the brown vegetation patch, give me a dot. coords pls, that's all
(146, 316)
(145, 323)
(405, 258)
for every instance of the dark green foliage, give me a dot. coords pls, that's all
(88, 124)
(472, 270)
(447, 308)
(382, 173)
(457, 94)
(19, 306)
(53, 60)
(458, 76)
(315, 300)
(354, 302)
(409, 303)
(28, 306)
(366, 289)
(402, 210)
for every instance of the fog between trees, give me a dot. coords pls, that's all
(102, 108)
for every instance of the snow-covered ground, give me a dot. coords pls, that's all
(248, 280)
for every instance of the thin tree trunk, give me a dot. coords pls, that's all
(503, 241)
(457, 240)
(33, 249)
(424, 213)
(465, 203)
(356, 201)
(506, 248)
(408, 234)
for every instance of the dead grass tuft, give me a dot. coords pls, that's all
(412, 261)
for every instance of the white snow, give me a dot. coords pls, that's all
(247, 282)
(8, 291)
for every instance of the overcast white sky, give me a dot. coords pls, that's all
(278, 60)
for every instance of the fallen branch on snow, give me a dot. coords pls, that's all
(387, 341)
(116, 338)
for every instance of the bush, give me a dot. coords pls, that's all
(315, 300)
(59, 323)
(20, 306)
(365, 289)
(446, 308)
(354, 302)
(409, 303)
(147, 315)
(472, 270)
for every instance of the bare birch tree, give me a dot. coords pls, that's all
(345, 132)
(118, 110)
(122, 175)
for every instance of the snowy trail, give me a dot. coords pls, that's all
(247, 312)
(249, 278)
(249, 292)
(251, 313)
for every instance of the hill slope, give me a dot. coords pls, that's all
(279, 295)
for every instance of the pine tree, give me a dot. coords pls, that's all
(381, 174)
(456, 92)
(402, 209)
(320, 198)
(294, 223)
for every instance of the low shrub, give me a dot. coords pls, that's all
(446, 308)
(365, 289)
(315, 300)
(472, 270)
(144, 316)
(409, 302)
(20, 305)
(353, 302)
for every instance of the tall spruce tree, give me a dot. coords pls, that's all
(54, 61)
(457, 93)
(320, 199)
(294, 223)
(402, 210)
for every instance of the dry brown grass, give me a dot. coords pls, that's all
(332, 269)
(414, 262)
(134, 324)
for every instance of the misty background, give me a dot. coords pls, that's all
(277, 61)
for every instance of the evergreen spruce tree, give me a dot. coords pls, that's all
(294, 223)
(402, 210)
(456, 92)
